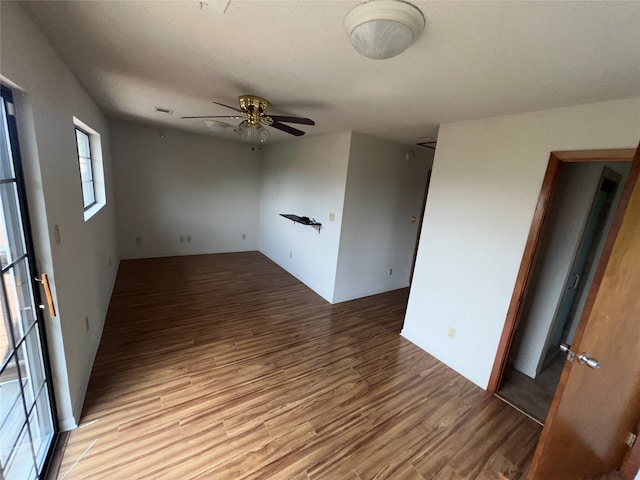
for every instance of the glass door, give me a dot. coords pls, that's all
(27, 412)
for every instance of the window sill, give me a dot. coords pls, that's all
(92, 210)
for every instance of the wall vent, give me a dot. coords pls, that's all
(164, 110)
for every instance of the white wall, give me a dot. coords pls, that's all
(484, 187)
(305, 177)
(577, 184)
(183, 185)
(384, 190)
(83, 266)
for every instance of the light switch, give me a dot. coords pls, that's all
(332, 217)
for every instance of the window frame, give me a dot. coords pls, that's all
(91, 168)
(97, 168)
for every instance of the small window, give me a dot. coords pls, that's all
(86, 168)
(89, 148)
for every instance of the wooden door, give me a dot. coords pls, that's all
(594, 409)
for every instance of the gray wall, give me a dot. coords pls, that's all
(182, 185)
(385, 189)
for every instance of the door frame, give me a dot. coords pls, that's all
(21, 187)
(424, 206)
(556, 161)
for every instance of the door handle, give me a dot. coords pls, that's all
(585, 359)
(44, 281)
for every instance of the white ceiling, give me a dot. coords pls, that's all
(474, 60)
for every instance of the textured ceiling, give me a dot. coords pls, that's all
(474, 60)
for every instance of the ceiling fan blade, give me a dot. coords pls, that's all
(304, 121)
(228, 106)
(216, 116)
(287, 129)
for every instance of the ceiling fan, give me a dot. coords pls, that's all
(253, 113)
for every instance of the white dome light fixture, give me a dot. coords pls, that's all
(381, 29)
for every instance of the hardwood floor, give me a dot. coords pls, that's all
(226, 367)
(532, 396)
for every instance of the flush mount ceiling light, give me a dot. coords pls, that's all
(381, 29)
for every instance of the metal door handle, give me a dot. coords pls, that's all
(585, 359)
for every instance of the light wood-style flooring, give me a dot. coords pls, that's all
(226, 367)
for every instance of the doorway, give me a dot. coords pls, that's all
(572, 238)
(28, 425)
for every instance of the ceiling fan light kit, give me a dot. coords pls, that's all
(252, 133)
(255, 110)
(381, 29)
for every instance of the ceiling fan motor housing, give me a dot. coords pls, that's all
(255, 108)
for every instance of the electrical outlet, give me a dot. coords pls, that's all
(86, 323)
(451, 333)
(332, 217)
(244, 236)
(188, 238)
(138, 240)
(390, 271)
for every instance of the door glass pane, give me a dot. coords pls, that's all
(20, 464)
(6, 163)
(11, 234)
(20, 298)
(31, 369)
(12, 414)
(6, 345)
(41, 426)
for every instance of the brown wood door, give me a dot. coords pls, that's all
(594, 409)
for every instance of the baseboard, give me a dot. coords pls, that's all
(78, 403)
(186, 254)
(294, 275)
(369, 294)
(67, 424)
(439, 354)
